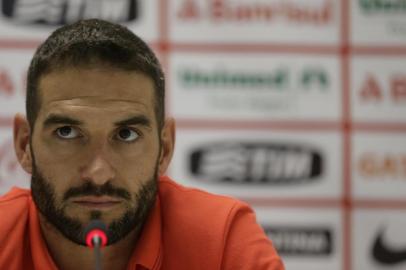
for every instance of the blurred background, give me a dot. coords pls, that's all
(297, 107)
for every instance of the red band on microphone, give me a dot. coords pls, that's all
(96, 233)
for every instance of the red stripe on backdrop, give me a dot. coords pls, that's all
(345, 23)
(255, 48)
(163, 46)
(246, 124)
(346, 132)
(379, 127)
(19, 44)
(326, 203)
(380, 204)
(294, 202)
(6, 122)
(382, 50)
(163, 20)
(164, 51)
(232, 47)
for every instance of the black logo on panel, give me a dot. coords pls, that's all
(256, 163)
(67, 11)
(384, 253)
(301, 241)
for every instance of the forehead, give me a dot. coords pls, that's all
(87, 90)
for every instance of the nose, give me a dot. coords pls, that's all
(98, 170)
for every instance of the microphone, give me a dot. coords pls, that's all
(95, 237)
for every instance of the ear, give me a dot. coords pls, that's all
(167, 144)
(21, 134)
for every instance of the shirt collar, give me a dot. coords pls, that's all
(147, 253)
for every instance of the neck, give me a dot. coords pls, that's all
(69, 255)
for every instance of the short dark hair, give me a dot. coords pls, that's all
(89, 43)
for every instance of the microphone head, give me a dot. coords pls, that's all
(95, 229)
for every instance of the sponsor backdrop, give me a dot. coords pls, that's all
(296, 106)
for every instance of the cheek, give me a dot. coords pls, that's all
(56, 169)
(137, 168)
(140, 156)
(57, 155)
(58, 185)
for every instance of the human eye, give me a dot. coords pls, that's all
(127, 134)
(67, 132)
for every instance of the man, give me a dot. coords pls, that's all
(97, 145)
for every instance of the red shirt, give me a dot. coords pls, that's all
(187, 229)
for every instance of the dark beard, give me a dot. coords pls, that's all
(43, 194)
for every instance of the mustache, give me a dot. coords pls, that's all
(90, 189)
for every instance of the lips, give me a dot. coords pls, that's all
(93, 202)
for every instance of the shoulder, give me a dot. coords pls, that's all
(14, 209)
(195, 224)
(198, 209)
(196, 214)
(16, 198)
(14, 206)
(196, 203)
(204, 225)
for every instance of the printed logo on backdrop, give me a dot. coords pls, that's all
(371, 7)
(11, 173)
(264, 163)
(386, 8)
(260, 12)
(303, 241)
(7, 84)
(388, 167)
(392, 91)
(57, 12)
(12, 92)
(384, 252)
(285, 85)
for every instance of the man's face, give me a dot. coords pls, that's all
(95, 149)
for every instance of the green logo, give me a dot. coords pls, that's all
(385, 6)
(227, 79)
(278, 80)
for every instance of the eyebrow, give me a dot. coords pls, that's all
(134, 120)
(54, 119)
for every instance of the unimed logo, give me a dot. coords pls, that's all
(67, 11)
(301, 240)
(256, 163)
(384, 6)
(277, 79)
